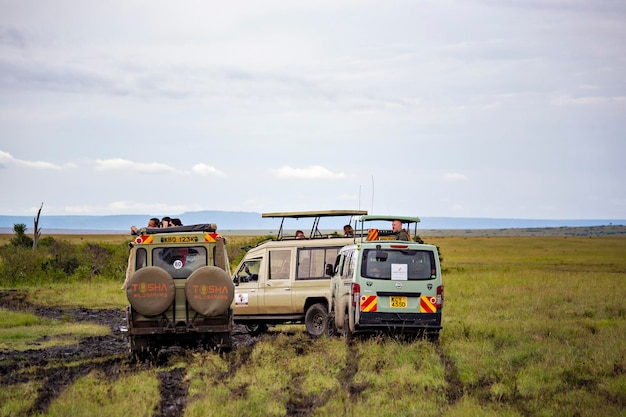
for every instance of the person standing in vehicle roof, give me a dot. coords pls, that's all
(152, 223)
(401, 234)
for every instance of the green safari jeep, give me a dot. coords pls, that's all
(179, 289)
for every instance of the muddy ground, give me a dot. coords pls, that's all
(110, 354)
(114, 347)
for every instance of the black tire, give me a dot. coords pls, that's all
(209, 291)
(256, 328)
(150, 291)
(331, 330)
(223, 342)
(141, 350)
(316, 320)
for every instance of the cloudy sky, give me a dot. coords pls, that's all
(468, 108)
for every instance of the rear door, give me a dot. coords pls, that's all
(398, 279)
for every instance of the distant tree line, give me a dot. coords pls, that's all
(58, 261)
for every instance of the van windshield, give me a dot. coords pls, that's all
(401, 265)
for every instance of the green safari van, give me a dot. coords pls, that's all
(381, 283)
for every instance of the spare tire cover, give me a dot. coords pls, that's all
(150, 290)
(210, 290)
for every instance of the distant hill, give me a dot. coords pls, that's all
(238, 220)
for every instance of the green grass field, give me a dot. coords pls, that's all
(533, 326)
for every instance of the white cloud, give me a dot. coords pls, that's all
(454, 176)
(309, 173)
(203, 169)
(387, 91)
(8, 159)
(119, 164)
(566, 100)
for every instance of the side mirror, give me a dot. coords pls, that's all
(329, 269)
(236, 280)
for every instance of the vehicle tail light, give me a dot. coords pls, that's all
(356, 294)
(439, 297)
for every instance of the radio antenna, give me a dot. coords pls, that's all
(372, 194)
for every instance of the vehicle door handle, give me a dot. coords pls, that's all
(287, 289)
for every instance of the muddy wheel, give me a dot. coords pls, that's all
(347, 334)
(210, 291)
(141, 349)
(150, 291)
(223, 342)
(256, 329)
(316, 319)
(331, 330)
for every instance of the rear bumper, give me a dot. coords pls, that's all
(162, 325)
(399, 322)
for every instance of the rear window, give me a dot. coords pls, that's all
(180, 262)
(397, 264)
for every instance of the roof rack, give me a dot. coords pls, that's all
(409, 220)
(316, 215)
(403, 219)
(205, 227)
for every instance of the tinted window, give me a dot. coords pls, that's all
(346, 269)
(141, 259)
(312, 262)
(398, 264)
(180, 262)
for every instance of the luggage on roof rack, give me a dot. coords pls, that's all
(205, 227)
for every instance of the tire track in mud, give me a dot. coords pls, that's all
(352, 366)
(174, 390)
(301, 404)
(454, 386)
(56, 380)
(108, 354)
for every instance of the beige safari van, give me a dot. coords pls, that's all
(381, 283)
(285, 280)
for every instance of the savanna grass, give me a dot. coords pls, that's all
(21, 331)
(99, 395)
(532, 327)
(540, 327)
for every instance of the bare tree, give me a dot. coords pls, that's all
(37, 231)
